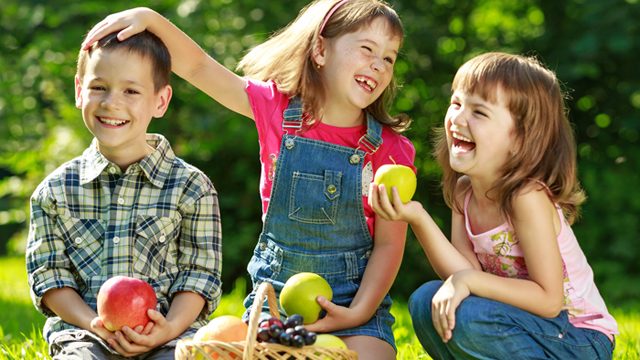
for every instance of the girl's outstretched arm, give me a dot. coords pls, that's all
(445, 258)
(379, 275)
(188, 59)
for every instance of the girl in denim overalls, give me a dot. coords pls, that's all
(317, 91)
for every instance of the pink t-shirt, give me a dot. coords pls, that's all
(268, 104)
(499, 252)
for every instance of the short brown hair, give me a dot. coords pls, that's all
(145, 44)
(544, 137)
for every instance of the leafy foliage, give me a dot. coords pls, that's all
(591, 44)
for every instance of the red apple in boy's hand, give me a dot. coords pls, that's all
(124, 301)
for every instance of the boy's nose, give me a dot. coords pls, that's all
(110, 100)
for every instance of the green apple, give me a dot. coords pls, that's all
(400, 176)
(328, 340)
(300, 293)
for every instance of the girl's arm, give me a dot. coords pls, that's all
(536, 225)
(379, 275)
(188, 60)
(445, 257)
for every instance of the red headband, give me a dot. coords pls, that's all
(331, 13)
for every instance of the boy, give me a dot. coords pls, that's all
(127, 206)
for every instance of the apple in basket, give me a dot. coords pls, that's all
(123, 300)
(225, 328)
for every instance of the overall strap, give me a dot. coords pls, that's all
(292, 116)
(371, 141)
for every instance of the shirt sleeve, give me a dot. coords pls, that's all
(48, 265)
(397, 147)
(200, 243)
(267, 104)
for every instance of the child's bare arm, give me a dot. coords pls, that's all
(188, 60)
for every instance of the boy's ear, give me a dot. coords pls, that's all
(319, 51)
(162, 97)
(78, 86)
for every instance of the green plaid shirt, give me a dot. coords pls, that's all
(159, 222)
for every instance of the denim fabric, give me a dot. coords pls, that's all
(315, 223)
(487, 329)
(77, 346)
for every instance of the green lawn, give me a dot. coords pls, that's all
(21, 324)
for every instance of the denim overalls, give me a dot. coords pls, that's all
(315, 220)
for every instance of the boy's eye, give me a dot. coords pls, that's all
(480, 113)
(131, 92)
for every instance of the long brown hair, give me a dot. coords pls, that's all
(546, 149)
(287, 56)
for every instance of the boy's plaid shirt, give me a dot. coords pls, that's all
(159, 222)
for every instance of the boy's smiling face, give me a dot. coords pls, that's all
(118, 101)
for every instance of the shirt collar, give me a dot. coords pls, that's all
(156, 166)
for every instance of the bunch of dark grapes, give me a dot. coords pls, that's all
(289, 333)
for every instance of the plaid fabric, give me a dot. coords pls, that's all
(159, 222)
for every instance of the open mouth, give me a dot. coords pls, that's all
(462, 142)
(366, 83)
(112, 122)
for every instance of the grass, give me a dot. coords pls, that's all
(21, 325)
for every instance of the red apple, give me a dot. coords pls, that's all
(124, 301)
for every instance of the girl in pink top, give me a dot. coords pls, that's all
(317, 91)
(517, 284)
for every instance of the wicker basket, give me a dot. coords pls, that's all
(192, 350)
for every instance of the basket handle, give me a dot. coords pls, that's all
(265, 289)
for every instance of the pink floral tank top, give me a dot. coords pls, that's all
(499, 253)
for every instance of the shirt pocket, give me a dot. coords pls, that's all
(154, 247)
(314, 198)
(83, 239)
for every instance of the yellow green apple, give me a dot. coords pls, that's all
(299, 294)
(328, 340)
(400, 176)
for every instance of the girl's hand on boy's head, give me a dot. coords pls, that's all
(132, 342)
(131, 22)
(380, 203)
(445, 302)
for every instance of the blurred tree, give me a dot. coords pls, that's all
(591, 44)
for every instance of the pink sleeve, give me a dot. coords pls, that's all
(397, 147)
(267, 103)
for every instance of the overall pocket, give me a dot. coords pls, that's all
(154, 246)
(83, 240)
(314, 198)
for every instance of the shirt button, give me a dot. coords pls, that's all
(112, 170)
(78, 240)
(121, 201)
(162, 238)
(116, 240)
(331, 189)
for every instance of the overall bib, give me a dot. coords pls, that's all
(315, 220)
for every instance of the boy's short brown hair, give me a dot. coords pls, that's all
(145, 44)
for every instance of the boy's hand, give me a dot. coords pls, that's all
(131, 342)
(98, 328)
(379, 202)
(131, 22)
(444, 305)
(337, 318)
